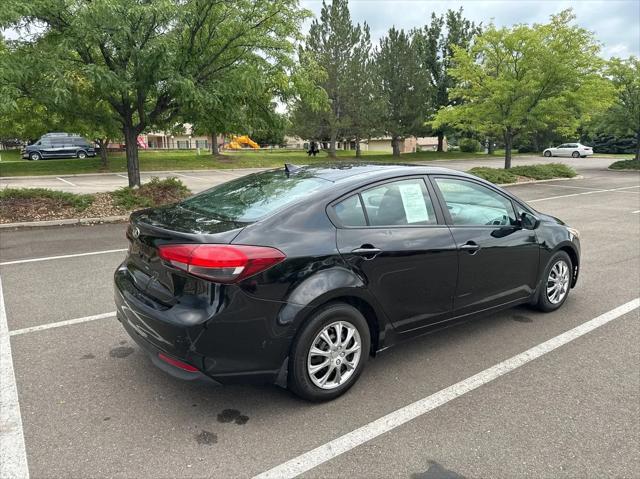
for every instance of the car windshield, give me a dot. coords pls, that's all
(252, 197)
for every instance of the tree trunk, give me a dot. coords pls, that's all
(332, 144)
(508, 142)
(131, 145)
(214, 142)
(358, 151)
(104, 158)
(395, 145)
(441, 141)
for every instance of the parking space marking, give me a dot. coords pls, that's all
(634, 212)
(122, 176)
(353, 439)
(584, 193)
(65, 181)
(48, 258)
(13, 455)
(191, 177)
(59, 324)
(568, 186)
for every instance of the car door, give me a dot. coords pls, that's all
(46, 148)
(497, 258)
(564, 150)
(392, 234)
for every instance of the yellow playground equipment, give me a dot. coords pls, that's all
(237, 142)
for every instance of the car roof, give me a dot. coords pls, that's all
(344, 172)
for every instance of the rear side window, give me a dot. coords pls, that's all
(399, 203)
(253, 197)
(350, 212)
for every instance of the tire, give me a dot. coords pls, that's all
(575, 154)
(333, 317)
(547, 301)
(35, 156)
(81, 154)
(547, 154)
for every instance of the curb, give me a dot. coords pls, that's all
(577, 177)
(623, 169)
(63, 222)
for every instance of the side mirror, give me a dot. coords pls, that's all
(529, 221)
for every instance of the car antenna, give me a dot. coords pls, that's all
(291, 168)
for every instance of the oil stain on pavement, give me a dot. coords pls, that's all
(233, 415)
(436, 471)
(121, 352)
(206, 438)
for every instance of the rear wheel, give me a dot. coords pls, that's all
(575, 154)
(556, 282)
(35, 156)
(329, 353)
(81, 154)
(547, 154)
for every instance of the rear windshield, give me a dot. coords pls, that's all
(252, 197)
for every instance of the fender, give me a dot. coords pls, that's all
(323, 287)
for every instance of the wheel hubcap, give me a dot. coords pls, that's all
(558, 282)
(334, 355)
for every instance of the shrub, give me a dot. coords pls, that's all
(79, 202)
(469, 145)
(632, 164)
(156, 192)
(544, 172)
(494, 175)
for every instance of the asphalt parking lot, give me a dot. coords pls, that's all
(92, 405)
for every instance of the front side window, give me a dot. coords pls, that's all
(472, 204)
(399, 203)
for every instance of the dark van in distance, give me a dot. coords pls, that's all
(59, 145)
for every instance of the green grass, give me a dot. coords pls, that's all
(154, 193)
(632, 164)
(533, 172)
(189, 160)
(79, 202)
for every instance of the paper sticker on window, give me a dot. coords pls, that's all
(413, 201)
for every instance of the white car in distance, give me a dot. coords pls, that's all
(574, 150)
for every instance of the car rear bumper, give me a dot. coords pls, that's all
(240, 343)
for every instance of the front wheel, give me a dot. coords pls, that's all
(547, 154)
(35, 156)
(556, 282)
(575, 154)
(329, 353)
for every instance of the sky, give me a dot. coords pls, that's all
(616, 23)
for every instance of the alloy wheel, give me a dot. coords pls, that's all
(334, 355)
(558, 282)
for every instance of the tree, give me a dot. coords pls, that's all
(404, 86)
(623, 117)
(143, 58)
(331, 43)
(526, 78)
(363, 107)
(437, 41)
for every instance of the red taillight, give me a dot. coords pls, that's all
(221, 263)
(178, 364)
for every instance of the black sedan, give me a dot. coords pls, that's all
(296, 276)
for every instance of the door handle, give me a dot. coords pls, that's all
(470, 247)
(367, 251)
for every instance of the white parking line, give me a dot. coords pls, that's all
(65, 181)
(13, 455)
(47, 258)
(342, 444)
(568, 186)
(122, 176)
(634, 212)
(584, 193)
(59, 324)
(191, 177)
